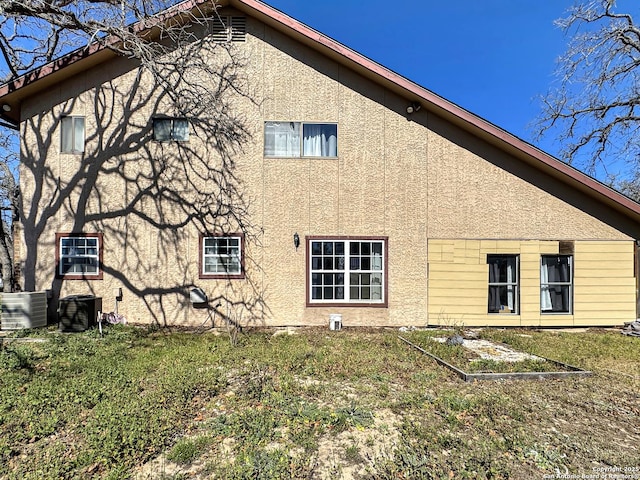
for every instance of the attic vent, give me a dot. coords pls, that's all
(565, 247)
(229, 29)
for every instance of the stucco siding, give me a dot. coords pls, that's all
(441, 198)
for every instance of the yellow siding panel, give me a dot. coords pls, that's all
(599, 247)
(607, 288)
(604, 286)
(597, 257)
(611, 271)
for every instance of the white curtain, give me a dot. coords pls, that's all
(320, 140)
(545, 295)
(282, 139)
(180, 129)
(510, 288)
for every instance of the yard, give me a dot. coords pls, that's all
(145, 403)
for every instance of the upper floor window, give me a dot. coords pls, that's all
(556, 283)
(79, 256)
(166, 129)
(300, 139)
(221, 256)
(503, 283)
(347, 270)
(72, 134)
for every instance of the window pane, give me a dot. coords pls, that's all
(79, 256)
(503, 284)
(555, 284)
(365, 263)
(282, 139)
(180, 129)
(320, 140)
(67, 143)
(78, 134)
(162, 129)
(220, 255)
(343, 270)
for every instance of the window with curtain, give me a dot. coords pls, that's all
(72, 134)
(300, 139)
(347, 271)
(166, 129)
(556, 283)
(503, 284)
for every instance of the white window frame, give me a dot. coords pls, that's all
(177, 131)
(512, 286)
(79, 252)
(214, 257)
(72, 134)
(298, 147)
(544, 309)
(334, 266)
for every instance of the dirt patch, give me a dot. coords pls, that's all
(349, 454)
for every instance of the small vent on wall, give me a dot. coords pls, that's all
(565, 247)
(229, 29)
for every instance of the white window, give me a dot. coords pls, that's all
(556, 284)
(221, 256)
(503, 284)
(72, 134)
(299, 139)
(79, 256)
(347, 271)
(166, 129)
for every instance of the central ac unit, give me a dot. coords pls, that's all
(77, 313)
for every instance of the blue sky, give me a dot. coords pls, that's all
(491, 57)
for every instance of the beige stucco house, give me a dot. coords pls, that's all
(342, 188)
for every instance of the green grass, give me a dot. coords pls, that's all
(307, 405)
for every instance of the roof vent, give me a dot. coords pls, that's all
(229, 29)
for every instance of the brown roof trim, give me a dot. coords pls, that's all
(442, 107)
(83, 52)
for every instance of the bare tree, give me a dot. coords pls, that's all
(8, 204)
(124, 179)
(594, 110)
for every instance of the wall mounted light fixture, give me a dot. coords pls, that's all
(413, 107)
(296, 240)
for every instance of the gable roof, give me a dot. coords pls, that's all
(13, 92)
